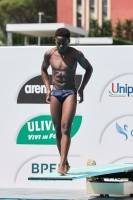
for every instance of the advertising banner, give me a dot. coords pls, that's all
(102, 128)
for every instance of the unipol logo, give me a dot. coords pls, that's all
(119, 131)
(119, 88)
(34, 90)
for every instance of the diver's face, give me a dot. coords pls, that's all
(62, 43)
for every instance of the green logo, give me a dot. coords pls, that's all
(40, 130)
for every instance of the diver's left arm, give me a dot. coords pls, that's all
(88, 72)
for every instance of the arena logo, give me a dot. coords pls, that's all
(119, 131)
(122, 87)
(34, 90)
(40, 131)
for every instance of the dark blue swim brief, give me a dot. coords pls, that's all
(62, 94)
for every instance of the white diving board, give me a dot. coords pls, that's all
(83, 172)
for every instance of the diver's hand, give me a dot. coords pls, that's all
(48, 96)
(81, 95)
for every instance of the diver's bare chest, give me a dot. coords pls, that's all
(62, 63)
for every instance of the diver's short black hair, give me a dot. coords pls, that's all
(62, 32)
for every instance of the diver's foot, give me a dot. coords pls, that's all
(61, 170)
(67, 167)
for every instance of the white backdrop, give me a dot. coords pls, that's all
(104, 130)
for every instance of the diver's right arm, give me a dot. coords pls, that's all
(45, 76)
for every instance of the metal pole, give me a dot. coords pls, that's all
(40, 15)
(9, 38)
(26, 40)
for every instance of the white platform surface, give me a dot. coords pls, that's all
(13, 193)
